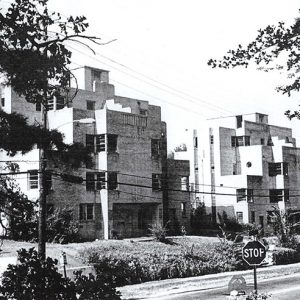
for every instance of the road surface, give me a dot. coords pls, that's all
(281, 288)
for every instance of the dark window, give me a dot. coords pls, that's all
(252, 217)
(50, 104)
(156, 182)
(60, 102)
(261, 221)
(155, 147)
(183, 209)
(90, 181)
(2, 101)
(196, 142)
(239, 120)
(101, 182)
(96, 74)
(278, 195)
(238, 141)
(278, 169)
(262, 141)
(112, 142)
(86, 211)
(90, 105)
(211, 139)
(38, 106)
(233, 141)
(89, 142)
(33, 179)
(112, 180)
(143, 112)
(100, 143)
(241, 195)
(249, 195)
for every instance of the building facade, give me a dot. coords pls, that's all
(245, 167)
(124, 188)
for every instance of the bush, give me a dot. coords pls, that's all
(140, 262)
(34, 279)
(285, 256)
(159, 232)
(61, 228)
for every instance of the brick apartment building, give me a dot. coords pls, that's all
(126, 187)
(246, 167)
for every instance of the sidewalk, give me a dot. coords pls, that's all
(168, 287)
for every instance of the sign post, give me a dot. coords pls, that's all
(253, 254)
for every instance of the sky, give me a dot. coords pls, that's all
(161, 53)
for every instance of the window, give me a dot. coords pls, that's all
(239, 216)
(60, 102)
(155, 148)
(2, 101)
(239, 120)
(112, 180)
(90, 105)
(183, 209)
(261, 221)
(86, 211)
(50, 104)
(33, 179)
(156, 182)
(262, 141)
(95, 181)
(184, 183)
(112, 142)
(89, 142)
(38, 106)
(211, 139)
(90, 182)
(143, 112)
(237, 141)
(278, 169)
(252, 220)
(278, 195)
(244, 194)
(96, 74)
(100, 143)
(196, 142)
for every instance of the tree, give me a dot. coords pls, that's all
(34, 60)
(274, 48)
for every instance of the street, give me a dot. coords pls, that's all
(281, 288)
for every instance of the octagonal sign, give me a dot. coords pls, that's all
(254, 253)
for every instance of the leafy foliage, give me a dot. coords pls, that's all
(61, 228)
(274, 48)
(139, 262)
(20, 211)
(35, 279)
(32, 50)
(159, 232)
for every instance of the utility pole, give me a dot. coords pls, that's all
(43, 196)
(43, 178)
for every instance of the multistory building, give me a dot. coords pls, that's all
(124, 188)
(245, 167)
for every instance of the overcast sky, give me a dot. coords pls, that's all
(167, 43)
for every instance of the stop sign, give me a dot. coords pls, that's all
(254, 253)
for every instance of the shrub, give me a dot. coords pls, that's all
(61, 228)
(34, 279)
(285, 256)
(159, 232)
(133, 263)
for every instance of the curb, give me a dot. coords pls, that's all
(175, 286)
